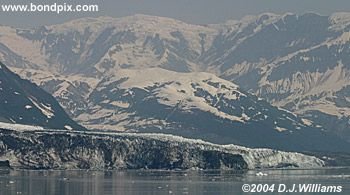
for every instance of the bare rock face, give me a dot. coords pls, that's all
(5, 164)
(95, 150)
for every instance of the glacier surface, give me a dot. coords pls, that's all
(62, 149)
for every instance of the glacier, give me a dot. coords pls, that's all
(62, 149)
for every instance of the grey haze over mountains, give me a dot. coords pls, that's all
(190, 11)
(101, 69)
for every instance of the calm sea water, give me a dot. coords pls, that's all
(161, 182)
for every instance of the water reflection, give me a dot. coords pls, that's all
(156, 182)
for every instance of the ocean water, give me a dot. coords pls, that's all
(144, 182)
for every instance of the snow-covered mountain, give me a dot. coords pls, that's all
(92, 45)
(195, 105)
(298, 62)
(22, 102)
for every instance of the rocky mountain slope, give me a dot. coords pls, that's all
(298, 62)
(22, 102)
(46, 149)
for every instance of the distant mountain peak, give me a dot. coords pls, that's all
(132, 22)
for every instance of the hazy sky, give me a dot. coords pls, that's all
(192, 11)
